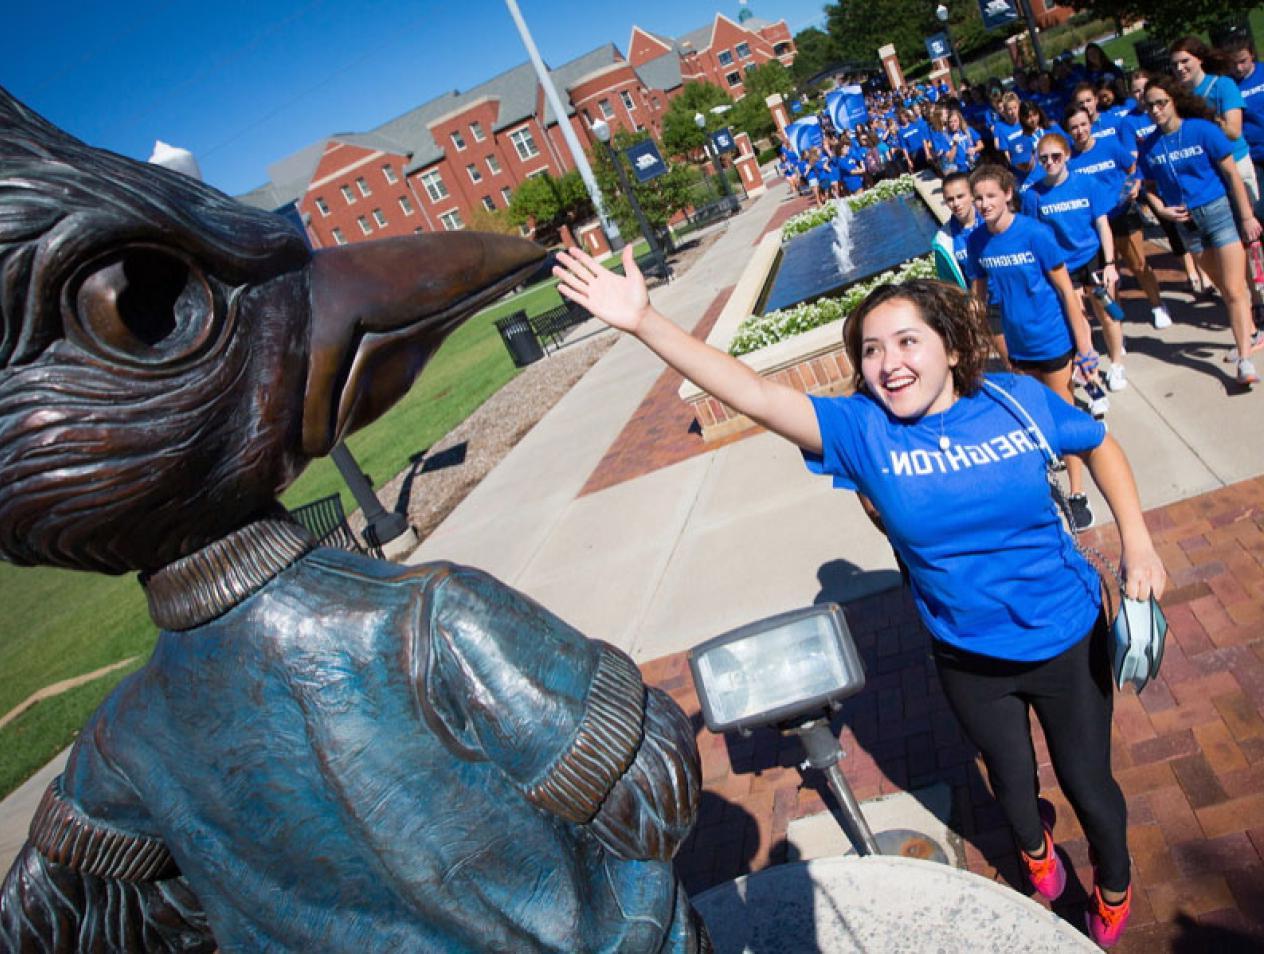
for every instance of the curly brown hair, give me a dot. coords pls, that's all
(1188, 106)
(947, 309)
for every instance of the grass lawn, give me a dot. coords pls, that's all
(57, 624)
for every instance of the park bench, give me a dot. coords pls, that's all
(551, 326)
(723, 206)
(328, 524)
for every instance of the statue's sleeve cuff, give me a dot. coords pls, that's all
(603, 747)
(62, 833)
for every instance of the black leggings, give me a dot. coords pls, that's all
(1072, 696)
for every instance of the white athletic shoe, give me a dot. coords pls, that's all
(1115, 379)
(1257, 342)
(1161, 318)
(1247, 375)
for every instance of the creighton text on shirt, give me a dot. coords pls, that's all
(961, 456)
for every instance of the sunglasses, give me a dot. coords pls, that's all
(1157, 103)
(1049, 157)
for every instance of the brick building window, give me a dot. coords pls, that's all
(524, 143)
(507, 194)
(628, 102)
(781, 49)
(379, 218)
(390, 174)
(322, 207)
(452, 221)
(364, 225)
(363, 186)
(339, 238)
(489, 203)
(419, 231)
(476, 130)
(725, 58)
(733, 79)
(475, 175)
(742, 50)
(607, 111)
(536, 173)
(458, 140)
(749, 68)
(434, 185)
(347, 193)
(493, 165)
(405, 205)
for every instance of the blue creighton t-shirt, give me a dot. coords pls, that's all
(992, 569)
(1070, 208)
(1182, 164)
(1107, 163)
(1016, 262)
(1222, 94)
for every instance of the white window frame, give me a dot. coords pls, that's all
(738, 50)
(733, 79)
(347, 194)
(339, 238)
(521, 138)
(380, 218)
(493, 165)
(364, 225)
(475, 175)
(432, 182)
(724, 57)
(628, 102)
(476, 131)
(457, 140)
(455, 216)
(506, 193)
(405, 206)
(607, 111)
(322, 207)
(489, 203)
(363, 186)
(389, 173)
(535, 174)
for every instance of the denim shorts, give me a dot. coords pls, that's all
(1209, 226)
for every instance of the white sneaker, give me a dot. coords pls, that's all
(1161, 318)
(1115, 379)
(1246, 373)
(1257, 342)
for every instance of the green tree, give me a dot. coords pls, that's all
(548, 203)
(659, 198)
(1166, 20)
(751, 113)
(816, 51)
(681, 134)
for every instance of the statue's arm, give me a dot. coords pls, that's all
(567, 718)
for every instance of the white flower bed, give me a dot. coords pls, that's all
(759, 331)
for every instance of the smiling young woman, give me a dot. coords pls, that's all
(957, 479)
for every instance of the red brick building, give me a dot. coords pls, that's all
(431, 168)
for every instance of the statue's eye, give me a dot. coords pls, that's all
(145, 305)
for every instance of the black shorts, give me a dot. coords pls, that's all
(1082, 277)
(1127, 222)
(994, 320)
(1043, 365)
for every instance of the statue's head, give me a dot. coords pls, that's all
(170, 359)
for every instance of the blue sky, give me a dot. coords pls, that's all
(243, 83)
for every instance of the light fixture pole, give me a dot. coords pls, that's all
(601, 129)
(701, 122)
(941, 14)
(568, 133)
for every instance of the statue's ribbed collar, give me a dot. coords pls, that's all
(204, 585)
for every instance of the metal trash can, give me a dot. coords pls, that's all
(519, 338)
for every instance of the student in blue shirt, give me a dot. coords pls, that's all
(912, 136)
(1015, 262)
(959, 482)
(958, 146)
(1076, 208)
(1085, 97)
(1250, 78)
(1035, 124)
(850, 167)
(1189, 161)
(1199, 69)
(1008, 127)
(1114, 168)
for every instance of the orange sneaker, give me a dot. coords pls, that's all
(1106, 922)
(1047, 874)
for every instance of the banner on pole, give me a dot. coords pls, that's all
(846, 107)
(647, 163)
(722, 140)
(998, 13)
(804, 135)
(937, 47)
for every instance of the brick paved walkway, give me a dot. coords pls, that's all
(1188, 752)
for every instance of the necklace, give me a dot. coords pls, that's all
(944, 441)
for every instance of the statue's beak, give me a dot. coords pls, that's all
(381, 309)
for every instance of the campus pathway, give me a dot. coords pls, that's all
(619, 518)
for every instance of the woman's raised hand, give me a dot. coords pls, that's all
(620, 301)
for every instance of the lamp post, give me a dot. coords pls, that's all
(941, 14)
(601, 129)
(701, 122)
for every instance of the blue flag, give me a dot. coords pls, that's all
(804, 135)
(846, 107)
